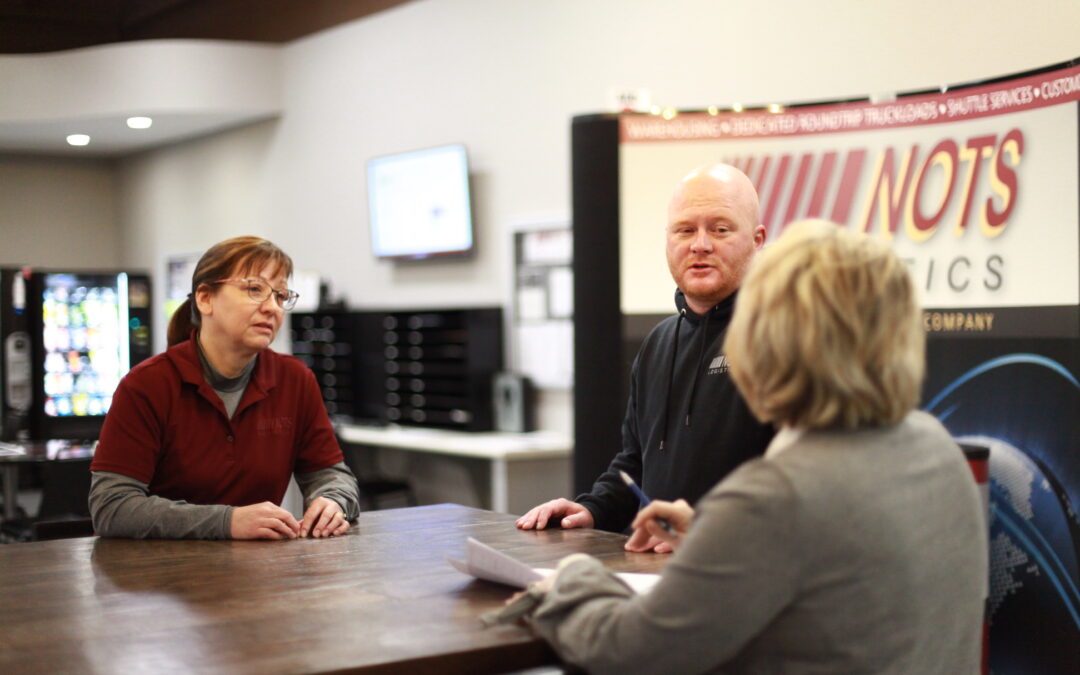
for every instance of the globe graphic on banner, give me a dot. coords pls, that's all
(1022, 405)
(1033, 565)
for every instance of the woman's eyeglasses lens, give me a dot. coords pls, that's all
(259, 291)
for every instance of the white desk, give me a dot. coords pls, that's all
(520, 470)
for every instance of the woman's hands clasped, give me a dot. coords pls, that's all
(266, 520)
(649, 535)
(323, 518)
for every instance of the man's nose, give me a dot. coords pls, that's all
(701, 243)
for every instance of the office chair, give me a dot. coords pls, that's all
(374, 487)
(978, 458)
(372, 490)
(46, 530)
(64, 511)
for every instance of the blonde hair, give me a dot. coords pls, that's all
(827, 331)
(242, 255)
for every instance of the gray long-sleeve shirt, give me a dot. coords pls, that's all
(124, 507)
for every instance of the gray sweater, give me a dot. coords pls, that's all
(839, 552)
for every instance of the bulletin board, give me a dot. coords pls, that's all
(179, 269)
(543, 328)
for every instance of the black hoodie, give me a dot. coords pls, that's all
(686, 424)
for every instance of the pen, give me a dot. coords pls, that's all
(643, 499)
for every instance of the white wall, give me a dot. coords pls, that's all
(58, 213)
(183, 199)
(136, 77)
(505, 77)
(48, 96)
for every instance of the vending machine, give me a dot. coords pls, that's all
(87, 330)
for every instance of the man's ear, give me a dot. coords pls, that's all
(759, 236)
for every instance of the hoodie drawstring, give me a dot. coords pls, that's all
(671, 375)
(701, 363)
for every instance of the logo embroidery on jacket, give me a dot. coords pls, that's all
(275, 426)
(718, 366)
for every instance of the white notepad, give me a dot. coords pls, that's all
(483, 562)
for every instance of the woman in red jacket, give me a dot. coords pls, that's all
(200, 441)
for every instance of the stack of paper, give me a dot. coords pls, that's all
(483, 562)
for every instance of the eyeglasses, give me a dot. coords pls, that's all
(258, 290)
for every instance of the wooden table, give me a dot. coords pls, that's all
(381, 599)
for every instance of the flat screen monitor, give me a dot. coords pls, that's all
(419, 204)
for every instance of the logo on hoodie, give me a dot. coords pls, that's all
(718, 366)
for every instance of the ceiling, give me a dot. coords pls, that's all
(30, 27)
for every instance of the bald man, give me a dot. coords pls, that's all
(686, 425)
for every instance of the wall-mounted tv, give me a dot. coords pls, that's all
(419, 204)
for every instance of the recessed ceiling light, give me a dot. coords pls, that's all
(78, 139)
(139, 122)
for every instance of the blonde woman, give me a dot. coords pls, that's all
(856, 544)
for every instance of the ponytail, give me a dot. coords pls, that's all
(182, 323)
